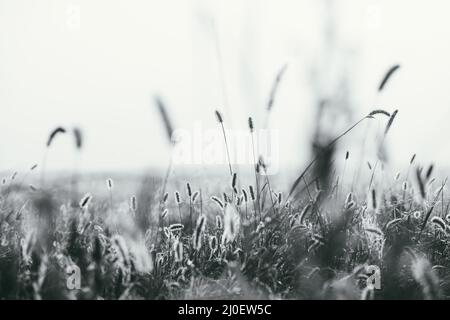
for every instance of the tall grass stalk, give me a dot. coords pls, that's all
(310, 164)
(220, 120)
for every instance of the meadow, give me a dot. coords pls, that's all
(385, 237)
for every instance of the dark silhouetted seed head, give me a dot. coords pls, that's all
(78, 138)
(250, 124)
(54, 133)
(387, 76)
(219, 116)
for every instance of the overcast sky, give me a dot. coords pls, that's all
(96, 64)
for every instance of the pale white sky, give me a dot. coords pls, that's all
(97, 63)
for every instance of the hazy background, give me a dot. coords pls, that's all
(97, 64)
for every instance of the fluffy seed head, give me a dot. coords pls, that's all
(219, 116)
(178, 251)
(250, 124)
(417, 214)
(189, 189)
(252, 193)
(234, 180)
(245, 195)
(387, 76)
(194, 196)
(374, 199)
(177, 197)
(176, 227)
(379, 111)
(165, 118)
(197, 238)
(167, 232)
(349, 197)
(231, 224)
(213, 243)
(275, 87)
(133, 203)
(85, 201)
(420, 182)
(218, 201)
(391, 120)
(393, 222)
(439, 222)
(53, 134)
(405, 185)
(219, 223)
(429, 171)
(109, 183)
(78, 138)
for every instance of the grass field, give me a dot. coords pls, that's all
(239, 237)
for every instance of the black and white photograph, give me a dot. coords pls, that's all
(244, 152)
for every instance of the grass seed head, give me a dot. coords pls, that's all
(429, 172)
(250, 124)
(53, 134)
(231, 224)
(200, 227)
(213, 244)
(110, 184)
(379, 111)
(194, 196)
(78, 136)
(219, 223)
(252, 193)
(219, 116)
(165, 118)
(189, 189)
(178, 251)
(234, 181)
(439, 222)
(84, 202)
(177, 197)
(133, 203)
(218, 201)
(387, 76)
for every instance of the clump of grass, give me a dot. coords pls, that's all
(318, 244)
